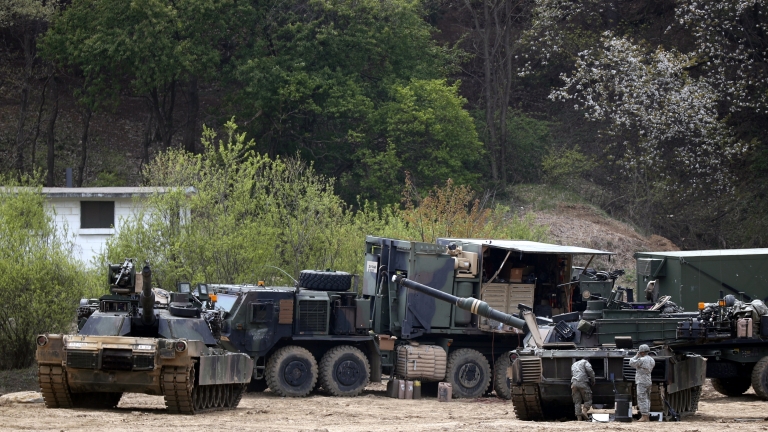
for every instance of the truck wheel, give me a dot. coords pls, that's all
(760, 378)
(500, 383)
(344, 371)
(731, 386)
(468, 372)
(292, 372)
(325, 280)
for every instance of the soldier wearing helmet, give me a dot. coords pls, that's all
(643, 364)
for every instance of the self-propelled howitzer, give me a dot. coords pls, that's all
(132, 343)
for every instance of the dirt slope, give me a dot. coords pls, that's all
(583, 225)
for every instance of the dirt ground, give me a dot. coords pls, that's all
(371, 412)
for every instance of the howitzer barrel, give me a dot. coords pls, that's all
(473, 305)
(147, 299)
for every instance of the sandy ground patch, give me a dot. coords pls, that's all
(373, 411)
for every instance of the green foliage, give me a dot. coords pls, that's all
(345, 84)
(107, 179)
(565, 166)
(454, 211)
(230, 214)
(14, 12)
(42, 284)
(151, 42)
(433, 136)
(530, 142)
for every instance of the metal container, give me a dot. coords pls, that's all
(393, 387)
(623, 408)
(409, 389)
(401, 389)
(417, 389)
(444, 392)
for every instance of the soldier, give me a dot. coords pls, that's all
(582, 377)
(643, 364)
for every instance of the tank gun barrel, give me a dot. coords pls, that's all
(471, 304)
(147, 299)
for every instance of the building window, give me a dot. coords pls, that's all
(97, 214)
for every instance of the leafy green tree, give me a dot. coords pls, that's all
(26, 20)
(425, 131)
(42, 283)
(318, 76)
(156, 47)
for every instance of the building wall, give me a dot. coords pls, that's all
(89, 242)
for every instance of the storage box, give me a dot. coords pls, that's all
(515, 274)
(386, 343)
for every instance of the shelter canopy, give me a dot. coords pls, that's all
(527, 246)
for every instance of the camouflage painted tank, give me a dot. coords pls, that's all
(607, 336)
(133, 344)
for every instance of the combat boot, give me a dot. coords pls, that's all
(585, 413)
(579, 417)
(644, 418)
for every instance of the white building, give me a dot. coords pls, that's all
(93, 215)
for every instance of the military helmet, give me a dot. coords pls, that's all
(643, 348)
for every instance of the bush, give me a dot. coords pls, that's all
(41, 282)
(231, 216)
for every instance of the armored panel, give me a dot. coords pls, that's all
(312, 312)
(83, 359)
(640, 329)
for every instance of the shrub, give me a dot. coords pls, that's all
(41, 282)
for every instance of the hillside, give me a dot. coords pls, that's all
(574, 222)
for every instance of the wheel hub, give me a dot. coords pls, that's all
(469, 375)
(347, 373)
(296, 373)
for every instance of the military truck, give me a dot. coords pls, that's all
(320, 333)
(133, 344)
(733, 336)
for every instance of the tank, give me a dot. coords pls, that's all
(607, 334)
(131, 342)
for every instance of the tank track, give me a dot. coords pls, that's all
(685, 402)
(53, 383)
(183, 397)
(527, 402)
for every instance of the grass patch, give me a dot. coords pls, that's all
(16, 380)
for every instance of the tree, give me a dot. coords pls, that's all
(423, 130)
(155, 46)
(26, 20)
(42, 283)
(315, 76)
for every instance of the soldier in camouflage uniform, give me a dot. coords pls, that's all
(582, 377)
(643, 364)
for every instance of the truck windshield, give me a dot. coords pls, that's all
(225, 302)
